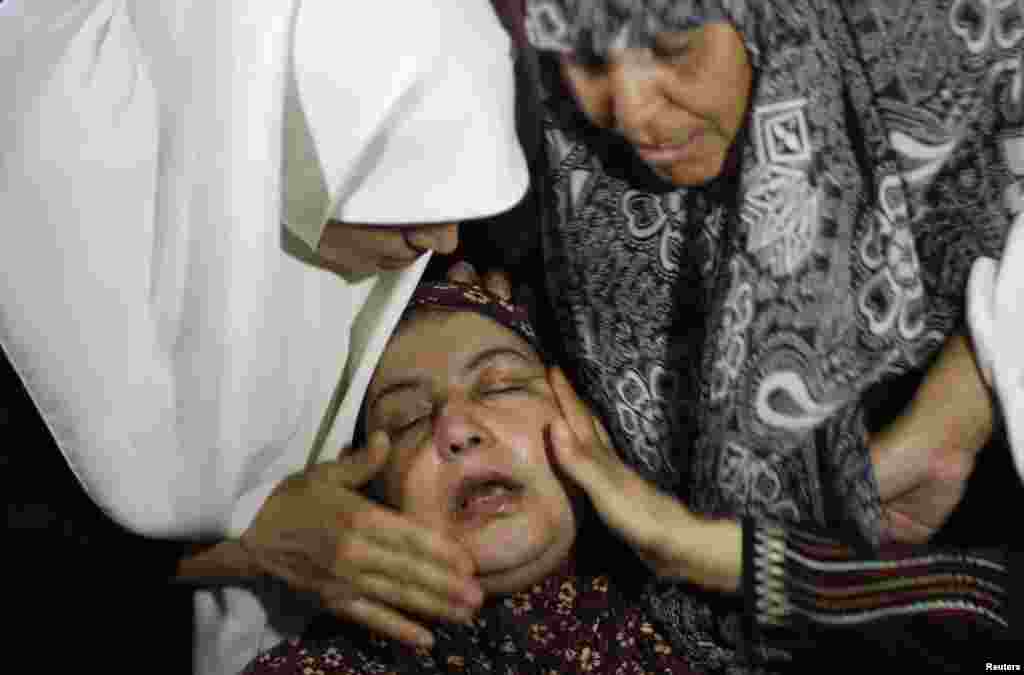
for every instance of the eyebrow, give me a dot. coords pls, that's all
(494, 353)
(476, 363)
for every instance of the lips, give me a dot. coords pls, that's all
(484, 496)
(668, 153)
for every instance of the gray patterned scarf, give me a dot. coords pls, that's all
(729, 334)
(586, 26)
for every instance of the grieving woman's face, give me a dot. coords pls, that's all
(466, 403)
(358, 250)
(680, 104)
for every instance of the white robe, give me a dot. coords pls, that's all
(995, 304)
(178, 341)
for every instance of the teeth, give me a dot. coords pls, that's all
(488, 489)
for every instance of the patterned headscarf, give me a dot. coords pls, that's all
(732, 336)
(461, 297)
(594, 27)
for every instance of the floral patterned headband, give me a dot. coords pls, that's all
(472, 298)
(592, 27)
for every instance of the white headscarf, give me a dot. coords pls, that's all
(182, 346)
(151, 300)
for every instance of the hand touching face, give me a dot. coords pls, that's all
(680, 104)
(466, 403)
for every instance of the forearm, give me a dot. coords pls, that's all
(709, 553)
(949, 418)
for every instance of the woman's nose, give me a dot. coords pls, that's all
(634, 99)
(441, 238)
(457, 433)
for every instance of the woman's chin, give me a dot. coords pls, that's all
(513, 553)
(699, 170)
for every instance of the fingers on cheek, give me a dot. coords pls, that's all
(602, 432)
(560, 437)
(352, 554)
(444, 552)
(577, 416)
(564, 394)
(567, 450)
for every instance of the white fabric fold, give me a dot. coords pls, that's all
(410, 148)
(995, 313)
(182, 346)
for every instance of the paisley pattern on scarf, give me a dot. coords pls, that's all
(727, 333)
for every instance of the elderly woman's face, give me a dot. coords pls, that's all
(466, 403)
(680, 104)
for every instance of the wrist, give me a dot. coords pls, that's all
(722, 555)
(210, 562)
(708, 552)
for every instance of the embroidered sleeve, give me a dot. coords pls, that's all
(799, 584)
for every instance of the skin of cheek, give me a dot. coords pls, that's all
(541, 537)
(717, 91)
(512, 551)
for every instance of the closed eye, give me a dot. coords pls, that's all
(404, 427)
(505, 389)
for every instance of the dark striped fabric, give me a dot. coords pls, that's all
(800, 576)
(805, 591)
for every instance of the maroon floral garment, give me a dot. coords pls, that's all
(568, 623)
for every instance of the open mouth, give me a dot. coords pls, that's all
(484, 496)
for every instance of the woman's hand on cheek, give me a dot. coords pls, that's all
(366, 562)
(675, 544)
(654, 524)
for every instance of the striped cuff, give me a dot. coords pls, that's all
(798, 582)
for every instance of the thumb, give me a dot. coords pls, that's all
(358, 467)
(575, 463)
